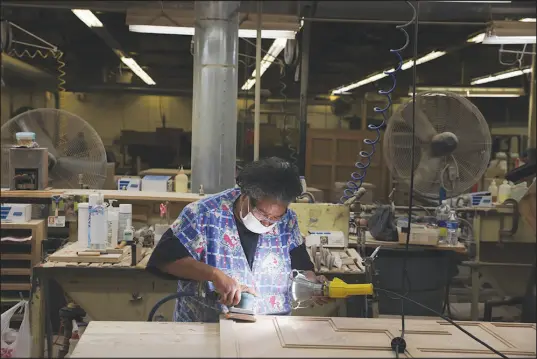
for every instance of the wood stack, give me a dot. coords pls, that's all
(21, 248)
(335, 260)
(73, 255)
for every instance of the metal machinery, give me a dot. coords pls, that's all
(28, 169)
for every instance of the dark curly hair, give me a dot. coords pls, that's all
(272, 178)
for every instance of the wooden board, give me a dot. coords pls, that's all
(144, 340)
(358, 337)
(69, 254)
(306, 337)
(143, 258)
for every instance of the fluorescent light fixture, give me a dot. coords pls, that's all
(481, 2)
(500, 76)
(477, 39)
(131, 63)
(527, 19)
(87, 17)
(180, 30)
(430, 56)
(510, 32)
(473, 91)
(277, 46)
(372, 78)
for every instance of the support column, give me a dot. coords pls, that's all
(303, 112)
(257, 114)
(214, 107)
(532, 142)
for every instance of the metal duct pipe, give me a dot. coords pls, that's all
(28, 72)
(214, 108)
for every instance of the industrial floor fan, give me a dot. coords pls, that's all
(452, 144)
(76, 153)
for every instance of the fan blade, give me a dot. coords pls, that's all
(428, 169)
(73, 165)
(424, 130)
(41, 138)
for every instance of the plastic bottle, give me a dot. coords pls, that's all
(128, 233)
(98, 225)
(442, 215)
(452, 228)
(181, 181)
(303, 183)
(504, 192)
(83, 225)
(113, 226)
(125, 213)
(493, 189)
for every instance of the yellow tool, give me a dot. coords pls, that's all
(339, 289)
(303, 289)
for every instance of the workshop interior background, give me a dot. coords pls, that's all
(304, 117)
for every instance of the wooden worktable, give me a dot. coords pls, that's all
(108, 194)
(286, 337)
(372, 243)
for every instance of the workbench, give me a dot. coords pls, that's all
(312, 337)
(120, 292)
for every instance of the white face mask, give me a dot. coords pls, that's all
(253, 224)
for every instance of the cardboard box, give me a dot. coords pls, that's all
(16, 213)
(335, 239)
(420, 235)
(157, 184)
(129, 184)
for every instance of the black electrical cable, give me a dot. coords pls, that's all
(164, 300)
(449, 320)
(411, 191)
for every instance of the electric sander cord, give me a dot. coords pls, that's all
(398, 344)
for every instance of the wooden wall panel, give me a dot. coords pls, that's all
(331, 155)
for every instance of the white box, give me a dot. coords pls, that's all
(16, 213)
(334, 239)
(157, 184)
(129, 184)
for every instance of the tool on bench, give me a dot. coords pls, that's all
(304, 290)
(244, 311)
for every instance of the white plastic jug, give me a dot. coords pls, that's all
(181, 181)
(504, 192)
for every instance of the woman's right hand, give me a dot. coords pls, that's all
(228, 288)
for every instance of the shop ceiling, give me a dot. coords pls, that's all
(341, 51)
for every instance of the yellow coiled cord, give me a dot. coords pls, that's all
(57, 55)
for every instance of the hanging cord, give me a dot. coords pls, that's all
(449, 320)
(43, 52)
(56, 55)
(405, 278)
(357, 177)
(286, 132)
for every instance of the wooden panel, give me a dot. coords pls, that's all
(322, 149)
(358, 337)
(331, 156)
(144, 340)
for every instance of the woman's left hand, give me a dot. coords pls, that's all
(318, 279)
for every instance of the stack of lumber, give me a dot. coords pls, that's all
(335, 260)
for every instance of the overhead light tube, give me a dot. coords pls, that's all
(133, 65)
(500, 76)
(87, 17)
(272, 54)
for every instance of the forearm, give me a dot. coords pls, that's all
(191, 269)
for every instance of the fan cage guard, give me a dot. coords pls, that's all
(72, 142)
(447, 112)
